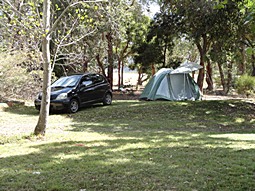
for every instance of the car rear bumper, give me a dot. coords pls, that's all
(54, 104)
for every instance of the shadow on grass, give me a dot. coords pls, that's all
(30, 110)
(205, 145)
(173, 161)
(22, 110)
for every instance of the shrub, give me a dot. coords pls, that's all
(19, 76)
(246, 85)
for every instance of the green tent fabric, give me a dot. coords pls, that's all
(165, 85)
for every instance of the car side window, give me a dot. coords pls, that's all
(86, 81)
(97, 79)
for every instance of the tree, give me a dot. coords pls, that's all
(132, 28)
(248, 33)
(45, 105)
(47, 67)
(201, 23)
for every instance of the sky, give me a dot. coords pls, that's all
(153, 9)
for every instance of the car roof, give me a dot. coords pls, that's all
(83, 74)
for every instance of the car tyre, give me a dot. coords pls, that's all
(107, 99)
(73, 106)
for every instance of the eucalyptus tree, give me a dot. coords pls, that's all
(20, 26)
(162, 41)
(107, 22)
(75, 37)
(119, 25)
(20, 37)
(248, 33)
(201, 22)
(48, 29)
(48, 23)
(145, 52)
(133, 28)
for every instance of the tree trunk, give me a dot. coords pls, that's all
(153, 69)
(100, 64)
(230, 78)
(241, 66)
(201, 74)
(202, 51)
(165, 51)
(139, 80)
(122, 56)
(253, 65)
(122, 73)
(119, 76)
(209, 79)
(222, 78)
(85, 65)
(110, 58)
(45, 103)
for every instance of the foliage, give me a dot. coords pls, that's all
(202, 23)
(20, 75)
(206, 145)
(246, 85)
(20, 26)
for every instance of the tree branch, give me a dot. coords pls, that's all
(66, 9)
(13, 8)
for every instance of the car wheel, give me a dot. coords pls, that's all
(107, 99)
(73, 106)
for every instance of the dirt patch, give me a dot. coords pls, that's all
(128, 95)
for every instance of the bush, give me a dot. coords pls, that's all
(246, 85)
(19, 76)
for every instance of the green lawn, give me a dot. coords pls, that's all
(131, 145)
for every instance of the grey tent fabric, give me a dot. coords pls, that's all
(165, 85)
(187, 67)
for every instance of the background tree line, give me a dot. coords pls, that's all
(218, 34)
(104, 35)
(89, 35)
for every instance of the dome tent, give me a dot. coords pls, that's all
(169, 84)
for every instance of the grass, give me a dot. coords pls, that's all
(132, 145)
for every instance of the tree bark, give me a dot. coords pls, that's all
(119, 75)
(201, 74)
(122, 73)
(241, 66)
(230, 77)
(209, 74)
(110, 58)
(100, 64)
(85, 64)
(253, 65)
(124, 54)
(222, 78)
(202, 48)
(165, 51)
(153, 69)
(139, 80)
(45, 103)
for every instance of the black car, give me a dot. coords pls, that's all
(75, 91)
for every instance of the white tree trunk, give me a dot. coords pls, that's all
(45, 104)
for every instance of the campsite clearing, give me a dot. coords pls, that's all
(186, 145)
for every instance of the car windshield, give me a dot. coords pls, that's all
(68, 81)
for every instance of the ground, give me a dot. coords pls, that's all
(8, 128)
